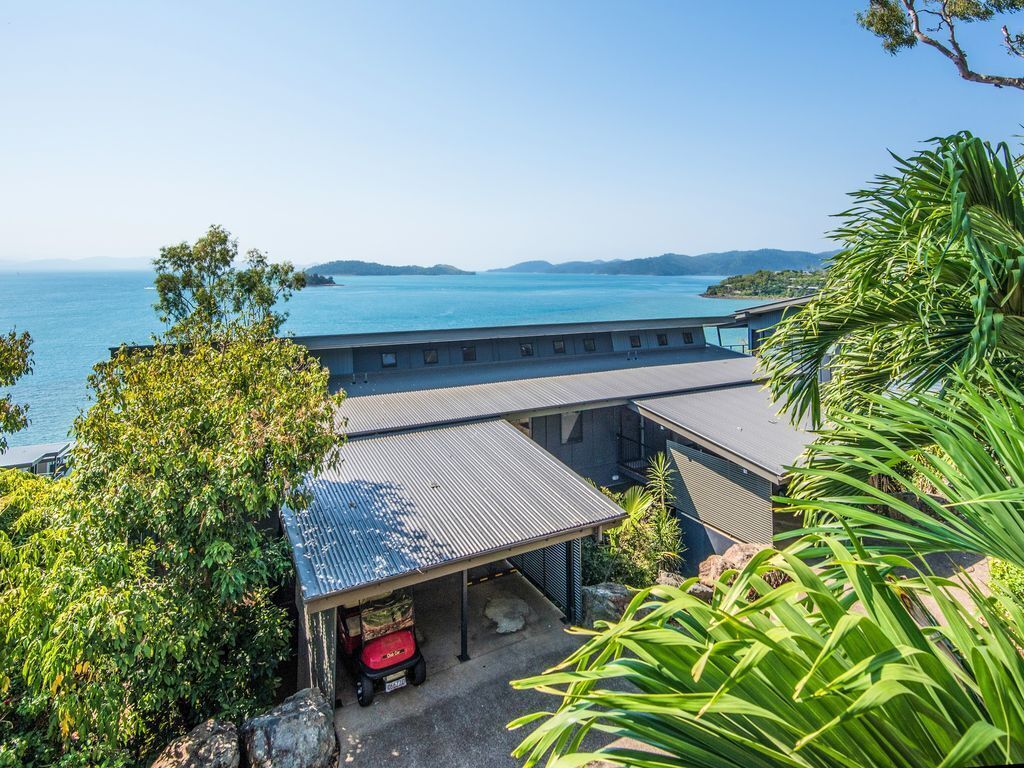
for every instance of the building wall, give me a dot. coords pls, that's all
(348, 361)
(596, 455)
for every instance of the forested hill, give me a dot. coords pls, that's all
(765, 284)
(371, 268)
(725, 263)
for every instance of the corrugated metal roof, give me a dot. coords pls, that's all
(402, 503)
(773, 306)
(26, 455)
(370, 414)
(742, 421)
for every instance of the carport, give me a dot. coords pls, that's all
(394, 510)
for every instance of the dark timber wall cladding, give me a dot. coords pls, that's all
(721, 494)
(549, 570)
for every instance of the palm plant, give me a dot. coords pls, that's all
(793, 677)
(931, 276)
(973, 468)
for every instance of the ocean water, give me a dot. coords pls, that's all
(74, 318)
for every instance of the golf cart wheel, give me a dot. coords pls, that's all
(419, 673)
(364, 691)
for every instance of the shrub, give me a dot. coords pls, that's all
(647, 541)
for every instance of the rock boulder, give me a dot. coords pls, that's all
(213, 744)
(604, 602)
(298, 733)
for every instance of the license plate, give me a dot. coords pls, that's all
(394, 685)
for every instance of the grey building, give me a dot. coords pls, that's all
(474, 446)
(41, 459)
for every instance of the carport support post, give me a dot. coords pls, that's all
(571, 582)
(464, 618)
(318, 651)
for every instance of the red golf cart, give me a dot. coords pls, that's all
(378, 643)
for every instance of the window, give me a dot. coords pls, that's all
(469, 354)
(526, 349)
(558, 345)
(572, 427)
(430, 357)
(687, 337)
(589, 344)
(634, 341)
(662, 339)
(388, 360)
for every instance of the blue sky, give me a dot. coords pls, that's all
(473, 133)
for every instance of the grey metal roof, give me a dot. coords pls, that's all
(27, 455)
(772, 306)
(406, 503)
(741, 422)
(442, 335)
(709, 367)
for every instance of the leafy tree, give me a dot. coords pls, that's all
(201, 293)
(903, 24)
(15, 362)
(931, 277)
(136, 597)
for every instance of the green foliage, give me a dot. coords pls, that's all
(647, 541)
(15, 362)
(967, 447)
(827, 670)
(902, 24)
(136, 595)
(1007, 578)
(932, 277)
(766, 284)
(202, 294)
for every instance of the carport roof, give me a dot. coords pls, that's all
(741, 423)
(406, 507)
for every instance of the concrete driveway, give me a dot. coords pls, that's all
(457, 718)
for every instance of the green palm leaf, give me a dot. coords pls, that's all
(790, 676)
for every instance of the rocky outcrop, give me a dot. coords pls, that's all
(298, 733)
(213, 744)
(734, 558)
(670, 579)
(604, 602)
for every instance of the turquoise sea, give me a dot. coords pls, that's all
(74, 318)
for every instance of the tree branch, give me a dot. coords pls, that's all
(954, 52)
(1013, 47)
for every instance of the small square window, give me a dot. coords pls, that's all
(558, 345)
(388, 360)
(662, 339)
(469, 354)
(687, 337)
(430, 357)
(589, 344)
(634, 341)
(526, 349)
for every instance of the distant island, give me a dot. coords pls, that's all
(314, 278)
(726, 263)
(767, 284)
(371, 268)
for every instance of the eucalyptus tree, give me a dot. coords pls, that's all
(202, 292)
(903, 24)
(931, 276)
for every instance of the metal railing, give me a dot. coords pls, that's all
(631, 452)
